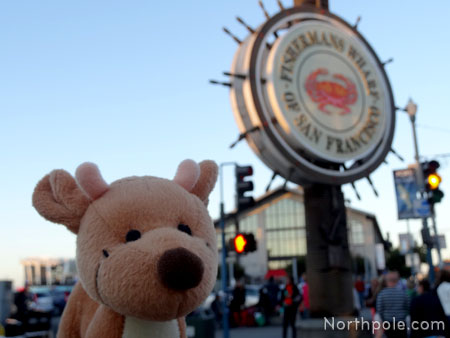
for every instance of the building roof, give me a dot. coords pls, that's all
(259, 202)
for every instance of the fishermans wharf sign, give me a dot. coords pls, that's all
(315, 96)
(326, 91)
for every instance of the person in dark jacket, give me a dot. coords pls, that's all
(273, 291)
(21, 299)
(237, 304)
(427, 309)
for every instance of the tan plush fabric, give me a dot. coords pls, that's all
(122, 237)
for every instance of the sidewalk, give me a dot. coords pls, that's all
(272, 331)
(250, 332)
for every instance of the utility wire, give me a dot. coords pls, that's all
(442, 130)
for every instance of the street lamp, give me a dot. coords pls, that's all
(411, 109)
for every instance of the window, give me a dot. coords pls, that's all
(285, 233)
(356, 232)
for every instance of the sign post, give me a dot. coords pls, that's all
(328, 260)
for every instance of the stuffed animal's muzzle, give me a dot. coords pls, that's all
(180, 269)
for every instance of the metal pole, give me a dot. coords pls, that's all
(410, 248)
(425, 228)
(438, 245)
(224, 275)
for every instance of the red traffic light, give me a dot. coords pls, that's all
(239, 243)
(242, 186)
(243, 171)
(244, 243)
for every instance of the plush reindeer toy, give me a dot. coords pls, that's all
(146, 249)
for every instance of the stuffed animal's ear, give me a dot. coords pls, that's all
(58, 198)
(206, 181)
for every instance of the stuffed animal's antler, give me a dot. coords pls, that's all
(90, 180)
(187, 174)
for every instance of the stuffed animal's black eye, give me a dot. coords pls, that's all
(133, 235)
(185, 228)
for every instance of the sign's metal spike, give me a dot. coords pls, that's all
(356, 191)
(234, 37)
(237, 76)
(280, 4)
(398, 155)
(226, 84)
(358, 19)
(275, 174)
(243, 136)
(266, 14)
(371, 184)
(387, 61)
(243, 23)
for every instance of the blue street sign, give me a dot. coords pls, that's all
(409, 202)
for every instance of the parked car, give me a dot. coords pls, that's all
(251, 296)
(41, 299)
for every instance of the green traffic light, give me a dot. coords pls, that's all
(436, 196)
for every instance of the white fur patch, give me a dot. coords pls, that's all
(139, 328)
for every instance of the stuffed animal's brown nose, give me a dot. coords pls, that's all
(180, 269)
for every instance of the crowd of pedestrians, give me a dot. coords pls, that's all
(398, 307)
(416, 310)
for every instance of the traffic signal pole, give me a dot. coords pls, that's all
(437, 244)
(223, 274)
(411, 109)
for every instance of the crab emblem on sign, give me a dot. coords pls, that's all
(331, 93)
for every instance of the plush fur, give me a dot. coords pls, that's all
(146, 248)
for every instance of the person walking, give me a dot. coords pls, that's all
(304, 307)
(360, 288)
(375, 288)
(273, 291)
(291, 300)
(237, 304)
(392, 305)
(427, 310)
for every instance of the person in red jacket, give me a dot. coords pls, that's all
(291, 300)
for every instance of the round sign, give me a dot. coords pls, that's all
(318, 96)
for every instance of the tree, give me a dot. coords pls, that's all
(396, 261)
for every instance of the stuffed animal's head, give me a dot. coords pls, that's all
(146, 246)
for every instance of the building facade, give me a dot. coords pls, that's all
(277, 221)
(49, 271)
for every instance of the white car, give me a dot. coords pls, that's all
(41, 299)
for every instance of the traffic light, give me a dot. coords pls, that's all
(240, 243)
(432, 181)
(244, 243)
(243, 186)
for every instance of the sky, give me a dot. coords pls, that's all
(125, 84)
